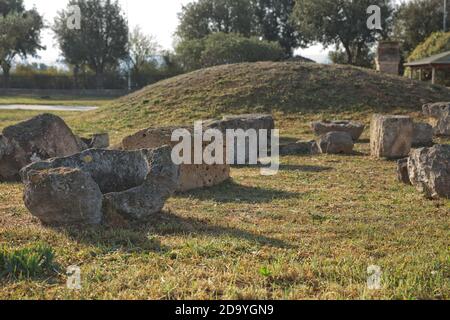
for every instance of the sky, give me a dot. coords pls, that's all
(156, 17)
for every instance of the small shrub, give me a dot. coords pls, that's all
(29, 262)
(265, 272)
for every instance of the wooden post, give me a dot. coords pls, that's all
(433, 75)
(420, 74)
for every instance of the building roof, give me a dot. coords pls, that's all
(441, 58)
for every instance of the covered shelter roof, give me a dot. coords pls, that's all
(437, 59)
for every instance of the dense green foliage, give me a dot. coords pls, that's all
(19, 33)
(267, 19)
(225, 48)
(416, 20)
(29, 262)
(342, 24)
(102, 41)
(438, 42)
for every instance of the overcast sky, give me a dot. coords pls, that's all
(157, 17)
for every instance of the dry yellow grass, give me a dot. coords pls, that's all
(315, 227)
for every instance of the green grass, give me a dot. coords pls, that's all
(309, 232)
(30, 262)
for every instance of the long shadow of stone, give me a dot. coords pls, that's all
(231, 192)
(128, 238)
(139, 237)
(168, 223)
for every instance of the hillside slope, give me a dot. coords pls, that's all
(287, 87)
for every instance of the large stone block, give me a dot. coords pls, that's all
(391, 136)
(134, 184)
(429, 171)
(423, 135)
(42, 137)
(436, 110)
(97, 141)
(63, 196)
(355, 129)
(336, 143)
(191, 176)
(246, 122)
(298, 148)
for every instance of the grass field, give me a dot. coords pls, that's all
(308, 233)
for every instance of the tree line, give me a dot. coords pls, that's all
(213, 32)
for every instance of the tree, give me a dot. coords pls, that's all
(226, 48)
(189, 54)
(143, 48)
(102, 41)
(273, 18)
(267, 19)
(342, 23)
(200, 19)
(19, 33)
(366, 58)
(416, 20)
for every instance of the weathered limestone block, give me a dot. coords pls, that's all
(436, 110)
(429, 171)
(42, 137)
(443, 126)
(63, 196)
(148, 198)
(134, 184)
(111, 170)
(297, 148)
(191, 176)
(96, 141)
(246, 122)
(423, 135)
(355, 129)
(336, 143)
(391, 136)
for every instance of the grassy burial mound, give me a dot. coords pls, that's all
(285, 87)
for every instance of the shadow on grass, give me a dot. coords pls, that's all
(288, 140)
(138, 237)
(231, 192)
(168, 223)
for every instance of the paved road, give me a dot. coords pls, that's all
(46, 108)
